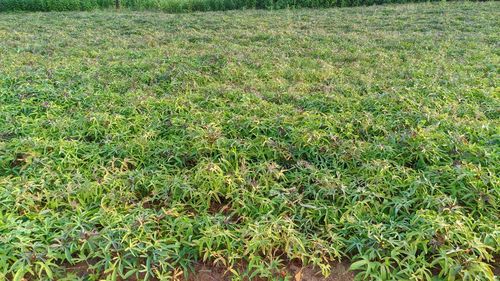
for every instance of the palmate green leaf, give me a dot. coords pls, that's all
(45, 270)
(18, 276)
(358, 265)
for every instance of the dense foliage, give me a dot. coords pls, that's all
(143, 142)
(184, 5)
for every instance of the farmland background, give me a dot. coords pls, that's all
(139, 145)
(183, 5)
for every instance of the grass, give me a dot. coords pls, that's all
(139, 143)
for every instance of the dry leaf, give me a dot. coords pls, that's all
(298, 275)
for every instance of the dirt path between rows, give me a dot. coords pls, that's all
(339, 272)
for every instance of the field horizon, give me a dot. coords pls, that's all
(183, 6)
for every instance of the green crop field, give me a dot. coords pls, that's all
(145, 146)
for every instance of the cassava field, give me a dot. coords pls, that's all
(143, 145)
